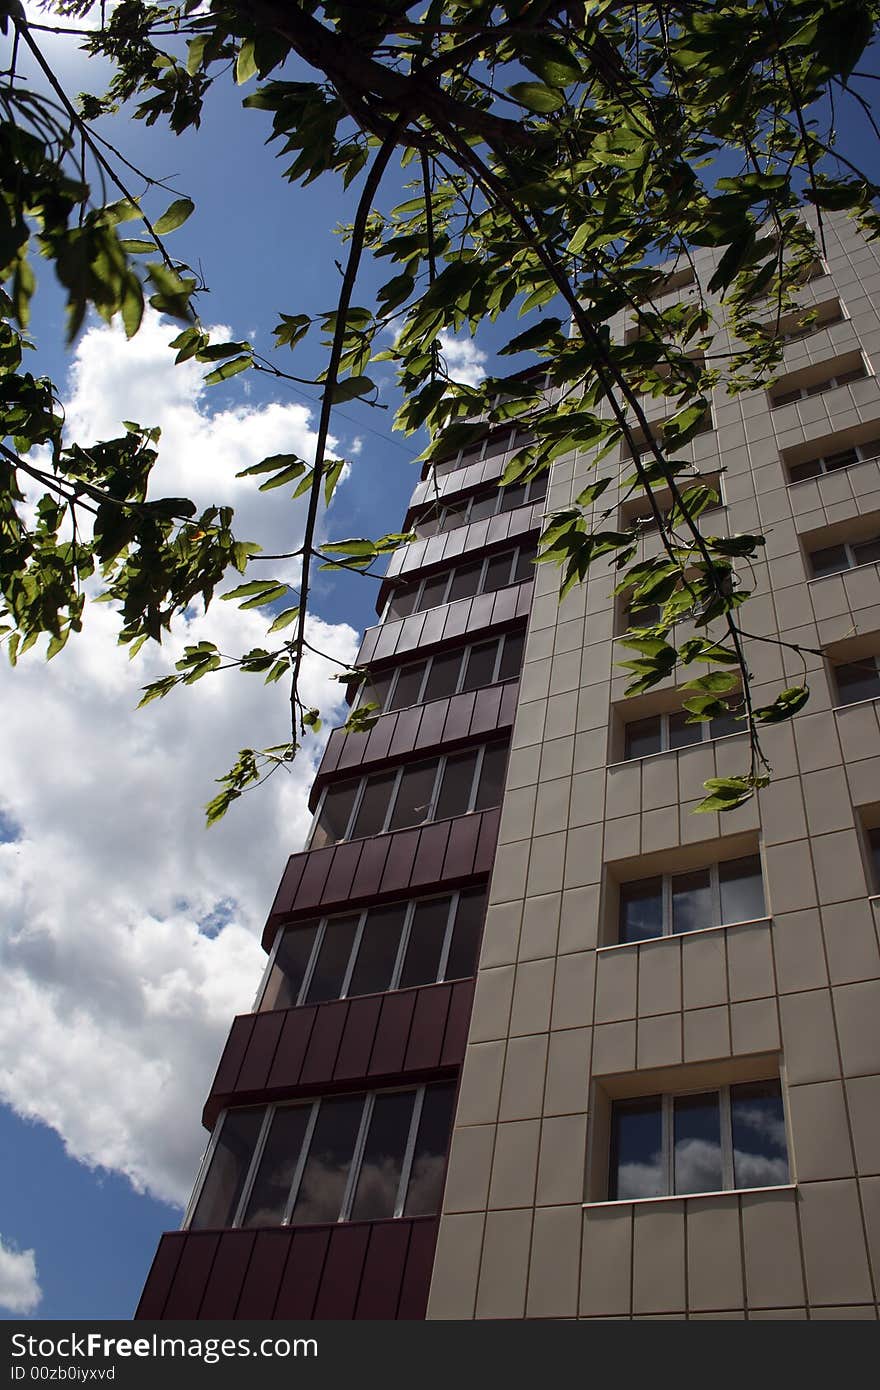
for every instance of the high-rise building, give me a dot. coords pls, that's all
(665, 1100)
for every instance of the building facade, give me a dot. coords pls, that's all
(660, 1071)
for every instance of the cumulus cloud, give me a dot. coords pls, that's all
(20, 1291)
(465, 362)
(128, 933)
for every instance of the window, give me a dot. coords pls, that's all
(434, 789)
(340, 1158)
(791, 326)
(640, 440)
(707, 1141)
(663, 370)
(397, 946)
(858, 680)
(463, 512)
(851, 368)
(658, 733)
(873, 836)
(668, 904)
(830, 462)
(500, 442)
(638, 508)
(464, 580)
(847, 555)
(435, 677)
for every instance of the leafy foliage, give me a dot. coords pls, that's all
(559, 152)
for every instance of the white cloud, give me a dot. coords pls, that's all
(465, 362)
(128, 933)
(20, 1291)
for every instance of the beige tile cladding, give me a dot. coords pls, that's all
(561, 1013)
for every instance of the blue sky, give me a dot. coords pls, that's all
(127, 934)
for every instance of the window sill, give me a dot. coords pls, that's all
(854, 704)
(664, 752)
(688, 1196)
(850, 569)
(677, 936)
(830, 471)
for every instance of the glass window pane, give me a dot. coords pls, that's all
(497, 444)
(326, 1172)
(335, 814)
(429, 1158)
(483, 507)
(491, 776)
(498, 572)
(513, 496)
(465, 580)
(443, 675)
(842, 459)
(692, 901)
(379, 1178)
(697, 1130)
(874, 846)
(864, 552)
(462, 959)
(641, 909)
(857, 680)
(413, 803)
(429, 523)
(403, 600)
(725, 724)
(760, 1152)
(289, 967)
(642, 737)
(455, 790)
(328, 975)
(373, 809)
(455, 514)
(268, 1200)
(831, 560)
(742, 889)
(377, 951)
(409, 683)
(798, 471)
(636, 1167)
(480, 665)
(374, 690)
(525, 564)
(681, 733)
(231, 1160)
(511, 656)
(434, 592)
(870, 449)
(538, 487)
(421, 963)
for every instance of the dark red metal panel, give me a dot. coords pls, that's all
(261, 1051)
(311, 886)
(434, 626)
(406, 732)
(486, 708)
(433, 719)
(302, 1275)
(504, 605)
(458, 717)
(524, 598)
(233, 1053)
(352, 751)
(379, 740)
(457, 618)
(499, 528)
(346, 858)
(428, 864)
(263, 1275)
(387, 641)
(368, 645)
(392, 1034)
(324, 1043)
(410, 634)
(507, 710)
(457, 1021)
(357, 1038)
(462, 847)
(227, 1274)
(289, 883)
(341, 1278)
(399, 864)
(371, 866)
(417, 1275)
(383, 1270)
(161, 1275)
(428, 1026)
(292, 1044)
(332, 751)
(192, 1274)
(481, 613)
(485, 856)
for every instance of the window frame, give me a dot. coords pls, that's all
(464, 517)
(836, 313)
(314, 1105)
(667, 1130)
(704, 725)
(411, 907)
(861, 456)
(667, 905)
(852, 561)
(464, 651)
(442, 760)
(820, 386)
(856, 661)
(477, 452)
(388, 616)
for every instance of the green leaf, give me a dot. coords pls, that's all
(245, 63)
(174, 216)
(228, 369)
(726, 793)
(716, 681)
(352, 387)
(284, 619)
(536, 97)
(549, 58)
(784, 706)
